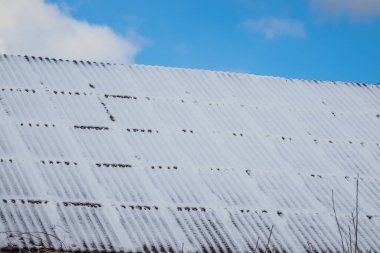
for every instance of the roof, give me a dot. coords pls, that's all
(103, 157)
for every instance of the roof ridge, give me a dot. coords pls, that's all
(75, 61)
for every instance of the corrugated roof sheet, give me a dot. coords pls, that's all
(102, 157)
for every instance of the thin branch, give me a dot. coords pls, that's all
(257, 244)
(311, 251)
(32, 234)
(357, 215)
(345, 238)
(349, 234)
(353, 220)
(337, 221)
(270, 234)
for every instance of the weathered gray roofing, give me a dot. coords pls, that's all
(102, 157)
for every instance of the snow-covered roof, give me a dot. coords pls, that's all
(103, 157)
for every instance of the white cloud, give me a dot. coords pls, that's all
(34, 27)
(356, 9)
(275, 27)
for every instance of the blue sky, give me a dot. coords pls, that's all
(309, 39)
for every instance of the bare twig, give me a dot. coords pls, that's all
(345, 238)
(257, 244)
(33, 234)
(311, 251)
(357, 215)
(270, 234)
(349, 234)
(337, 221)
(352, 243)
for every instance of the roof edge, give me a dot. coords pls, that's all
(189, 69)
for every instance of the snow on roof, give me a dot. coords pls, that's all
(102, 157)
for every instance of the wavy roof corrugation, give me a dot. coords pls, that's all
(102, 157)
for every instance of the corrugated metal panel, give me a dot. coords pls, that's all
(16, 71)
(27, 105)
(155, 230)
(102, 157)
(28, 224)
